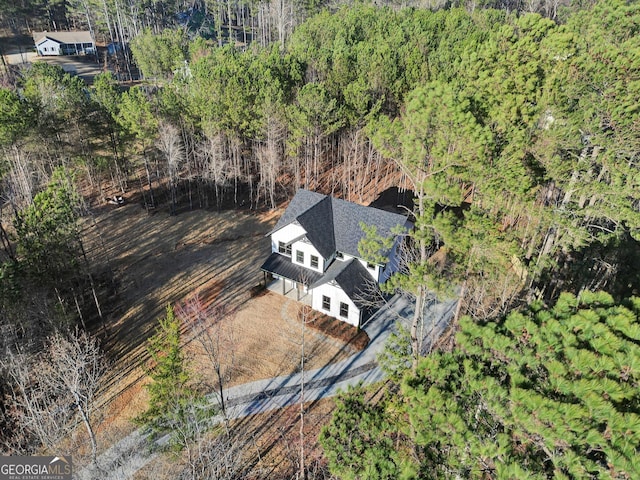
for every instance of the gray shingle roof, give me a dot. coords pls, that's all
(346, 223)
(333, 224)
(282, 266)
(317, 222)
(353, 278)
(82, 36)
(301, 202)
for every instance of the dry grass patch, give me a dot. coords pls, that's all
(161, 259)
(262, 339)
(355, 338)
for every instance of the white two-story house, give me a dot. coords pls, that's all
(314, 249)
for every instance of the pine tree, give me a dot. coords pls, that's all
(171, 399)
(543, 393)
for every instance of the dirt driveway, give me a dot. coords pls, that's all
(18, 50)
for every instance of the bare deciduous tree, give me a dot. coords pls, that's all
(170, 143)
(220, 457)
(76, 366)
(48, 392)
(205, 323)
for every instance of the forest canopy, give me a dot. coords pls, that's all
(543, 393)
(517, 133)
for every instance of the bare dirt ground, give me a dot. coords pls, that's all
(20, 49)
(160, 259)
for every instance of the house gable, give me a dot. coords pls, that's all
(287, 235)
(318, 221)
(57, 43)
(315, 250)
(47, 46)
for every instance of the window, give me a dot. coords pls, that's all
(339, 255)
(314, 261)
(299, 256)
(344, 310)
(326, 303)
(371, 266)
(284, 248)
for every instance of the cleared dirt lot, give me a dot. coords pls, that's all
(20, 49)
(161, 259)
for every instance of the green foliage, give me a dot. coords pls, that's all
(137, 116)
(372, 247)
(357, 442)
(56, 95)
(16, 116)
(173, 404)
(237, 92)
(107, 93)
(158, 56)
(48, 239)
(395, 359)
(543, 393)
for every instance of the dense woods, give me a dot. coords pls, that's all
(517, 133)
(543, 393)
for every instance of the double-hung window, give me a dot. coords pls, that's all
(344, 310)
(326, 303)
(314, 261)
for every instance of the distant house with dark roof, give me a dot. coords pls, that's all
(64, 43)
(314, 249)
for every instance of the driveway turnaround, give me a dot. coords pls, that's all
(132, 453)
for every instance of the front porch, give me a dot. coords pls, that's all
(290, 289)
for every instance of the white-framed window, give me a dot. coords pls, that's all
(344, 310)
(284, 248)
(314, 261)
(326, 303)
(299, 256)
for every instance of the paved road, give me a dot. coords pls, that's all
(129, 455)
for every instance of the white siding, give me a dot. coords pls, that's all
(374, 272)
(286, 235)
(52, 48)
(337, 295)
(308, 250)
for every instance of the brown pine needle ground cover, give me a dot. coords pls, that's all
(161, 259)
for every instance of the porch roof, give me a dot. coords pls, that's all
(283, 267)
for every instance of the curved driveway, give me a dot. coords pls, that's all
(129, 455)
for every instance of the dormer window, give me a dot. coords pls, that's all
(284, 248)
(339, 255)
